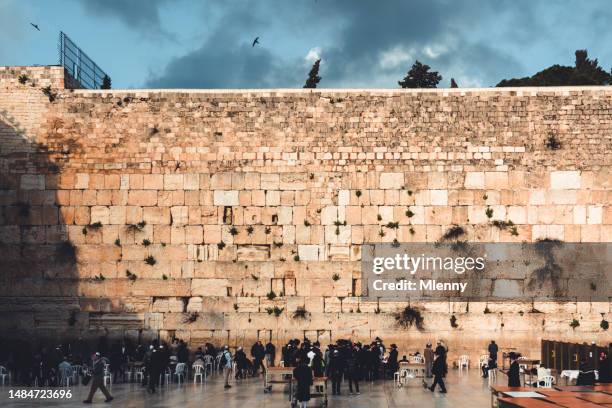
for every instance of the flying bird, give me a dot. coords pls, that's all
(35, 26)
(255, 41)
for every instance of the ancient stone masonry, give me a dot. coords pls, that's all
(216, 215)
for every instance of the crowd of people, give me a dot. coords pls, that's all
(342, 361)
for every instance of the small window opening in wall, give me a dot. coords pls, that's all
(227, 215)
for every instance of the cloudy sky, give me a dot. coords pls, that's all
(362, 43)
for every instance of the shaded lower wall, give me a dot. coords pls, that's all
(224, 205)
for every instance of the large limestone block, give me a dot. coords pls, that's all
(209, 287)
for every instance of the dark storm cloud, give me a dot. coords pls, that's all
(138, 14)
(364, 43)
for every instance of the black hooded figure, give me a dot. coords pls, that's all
(303, 376)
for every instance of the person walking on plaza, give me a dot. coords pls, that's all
(428, 353)
(303, 376)
(97, 380)
(226, 363)
(439, 371)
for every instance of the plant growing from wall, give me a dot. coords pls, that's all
(574, 323)
(118, 242)
(453, 232)
(489, 212)
(254, 277)
(395, 243)
(381, 233)
(358, 193)
(268, 230)
(486, 310)
(306, 223)
(233, 231)
(409, 317)
(409, 192)
(296, 258)
(131, 276)
(502, 225)
(190, 317)
(221, 245)
(300, 313)
(392, 225)
(23, 79)
(95, 226)
(165, 277)
(277, 244)
(49, 93)
(136, 227)
(150, 260)
(271, 295)
(409, 213)
(335, 277)
(453, 322)
(236, 307)
(604, 324)
(379, 217)
(99, 278)
(552, 143)
(146, 242)
(411, 230)
(250, 229)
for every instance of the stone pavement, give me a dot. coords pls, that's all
(464, 390)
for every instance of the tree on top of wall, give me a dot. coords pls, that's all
(106, 82)
(313, 75)
(419, 76)
(584, 72)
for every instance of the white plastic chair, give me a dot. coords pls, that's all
(464, 362)
(198, 372)
(548, 381)
(208, 362)
(66, 377)
(483, 360)
(218, 362)
(5, 375)
(493, 376)
(107, 375)
(167, 377)
(416, 359)
(180, 371)
(139, 374)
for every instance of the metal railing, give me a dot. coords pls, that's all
(79, 65)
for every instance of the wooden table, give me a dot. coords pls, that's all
(279, 371)
(572, 402)
(576, 388)
(596, 397)
(497, 390)
(505, 402)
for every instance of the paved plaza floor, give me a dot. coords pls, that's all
(464, 390)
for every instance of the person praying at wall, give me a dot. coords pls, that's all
(303, 376)
(428, 354)
(514, 373)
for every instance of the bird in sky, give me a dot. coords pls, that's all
(35, 26)
(255, 41)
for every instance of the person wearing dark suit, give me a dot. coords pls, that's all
(303, 376)
(514, 373)
(97, 380)
(440, 370)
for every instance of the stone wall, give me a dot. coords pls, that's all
(236, 196)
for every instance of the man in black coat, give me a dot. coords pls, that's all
(514, 373)
(303, 376)
(493, 349)
(439, 371)
(155, 371)
(258, 352)
(335, 369)
(270, 354)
